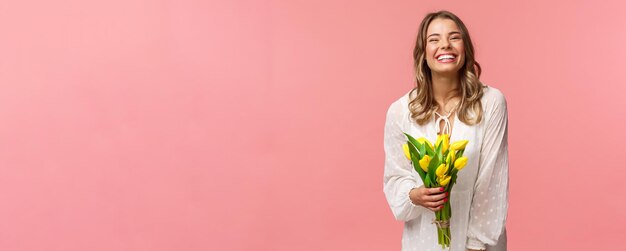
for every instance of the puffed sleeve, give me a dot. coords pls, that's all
(398, 177)
(488, 211)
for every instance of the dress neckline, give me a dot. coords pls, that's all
(447, 126)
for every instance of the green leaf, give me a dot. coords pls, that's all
(452, 179)
(438, 148)
(429, 150)
(432, 167)
(440, 155)
(415, 160)
(415, 154)
(413, 141)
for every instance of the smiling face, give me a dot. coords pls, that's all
(445, 51)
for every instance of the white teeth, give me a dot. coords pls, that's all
(442, 57)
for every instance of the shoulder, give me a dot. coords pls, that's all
(493, 99)
(398, 112)
(399, 106)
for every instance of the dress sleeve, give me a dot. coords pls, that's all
(398, 174)
(489, 206)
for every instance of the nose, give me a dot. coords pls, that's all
(445, 44)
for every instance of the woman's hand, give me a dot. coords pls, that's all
(431, 198)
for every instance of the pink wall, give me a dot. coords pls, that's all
(257, 125)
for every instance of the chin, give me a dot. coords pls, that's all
(445, 72)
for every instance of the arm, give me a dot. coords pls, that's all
(488, 211)
(398, 177)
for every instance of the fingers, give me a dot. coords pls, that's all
(435, 209)
(434, 194)
(435, 206)
(435, 203)
(431, 198)
(435, 190)
(435, 198)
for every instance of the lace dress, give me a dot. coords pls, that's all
(479, 199)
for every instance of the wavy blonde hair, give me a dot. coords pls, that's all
(422, 103)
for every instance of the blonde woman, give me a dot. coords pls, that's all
(449, 98)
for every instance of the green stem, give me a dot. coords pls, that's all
(439, 236)
(439, 233)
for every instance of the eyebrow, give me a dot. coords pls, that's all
(450, 33)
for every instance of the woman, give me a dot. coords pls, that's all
(450, 99)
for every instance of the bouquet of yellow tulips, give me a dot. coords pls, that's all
(438, 166)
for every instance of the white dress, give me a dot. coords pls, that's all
(479, 199)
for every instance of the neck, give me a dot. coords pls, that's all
(445, 88)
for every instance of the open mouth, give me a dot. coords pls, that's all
(446, 58)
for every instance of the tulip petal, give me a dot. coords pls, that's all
(441, 170)
(459, 145)
(407, 153)
(424, 162)
(460, 163)
(444, 181)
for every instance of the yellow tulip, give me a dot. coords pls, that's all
(445, 180)
(439, 139)
(460, 163)
(441, 170)
(459, 145)
(424, 162)
(423, 140)
(407, 153)
(451, 156)
(444, 140)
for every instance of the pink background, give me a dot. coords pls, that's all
(257, 125)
